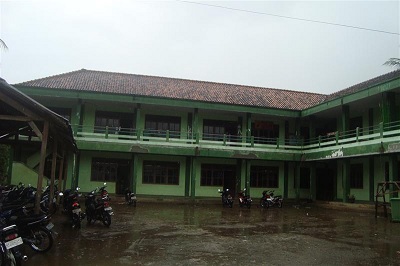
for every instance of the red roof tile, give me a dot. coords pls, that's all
(109, 82)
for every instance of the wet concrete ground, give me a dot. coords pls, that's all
(167, 233)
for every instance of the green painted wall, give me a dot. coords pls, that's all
(25, 175)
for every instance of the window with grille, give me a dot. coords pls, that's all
(166, 173)
(264, 176)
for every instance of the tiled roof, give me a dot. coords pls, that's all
(109, 82)
(173, 88)
(365, 85)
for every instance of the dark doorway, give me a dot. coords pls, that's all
(325, 184)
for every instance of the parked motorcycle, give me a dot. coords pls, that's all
(226, 197)
(98, 208)
(269, 199)
(130, 197)
(10, 246)
(72, 206)
(244, 200)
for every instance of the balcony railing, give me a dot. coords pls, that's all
(379, 131)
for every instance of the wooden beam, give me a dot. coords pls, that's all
(53, 174)
(15, 118)
(19, 107)
(43, 150)
(36, 129)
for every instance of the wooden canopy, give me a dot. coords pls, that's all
(22, 118)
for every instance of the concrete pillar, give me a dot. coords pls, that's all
(188, 175)
(345, 118)
(297, 177)
(135, 172)
(346, 179)
(313, 182)
(193, 179)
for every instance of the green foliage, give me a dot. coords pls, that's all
(394, 62)
(4, 160)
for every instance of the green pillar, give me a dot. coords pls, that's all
(248, 127)
(193, 179)
(135, 172)
(313, 182)
(371, 178)
(196, 123)
(346, 179)
(345, 118)
(297, 176)
(247, 175)
(138, 121)
(285, 179)
(188, 175)
(393, 172)
(388, 107)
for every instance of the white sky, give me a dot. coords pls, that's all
(191, 41)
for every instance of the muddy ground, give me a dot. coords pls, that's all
(168, 233)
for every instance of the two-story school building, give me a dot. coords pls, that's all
(174, 137)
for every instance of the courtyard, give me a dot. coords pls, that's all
(174, 233)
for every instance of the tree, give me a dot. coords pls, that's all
(3, 45)
(394, 62)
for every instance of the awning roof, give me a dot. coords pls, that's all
(21, 115)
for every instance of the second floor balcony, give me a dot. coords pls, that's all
(384, 136)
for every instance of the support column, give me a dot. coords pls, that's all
(248, 127)
(388, 105)
(393, 172)
(193, 179)
(346, 180)
(135, 172)
(313, 182)
(188, 175)
(285, 179)
(43, 151)
(53, 173)
(371, 177)
(138, 120)
(247, 176)
(196, 130)
(345, 118)
(297, 177)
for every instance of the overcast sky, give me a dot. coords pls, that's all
(197, 41)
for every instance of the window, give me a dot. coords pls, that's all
(216, 174)
(215, 130)
(104, 170)
(356, 176)
(165, 173)
(116, 122)
(264, 176)
(265, 132)
(156, 126)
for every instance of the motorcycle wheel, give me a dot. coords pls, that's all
(134, 203)
(130, 202)
(106, 219)
(89, 219)
(249, 205)
(263, 203)
(41, 239)
(76, 221)
(279, 204)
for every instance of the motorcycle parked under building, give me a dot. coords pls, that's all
(98, 208)
(269, 199)
(244, 199)
(226, 197)
(130, 197)
(72, 206)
